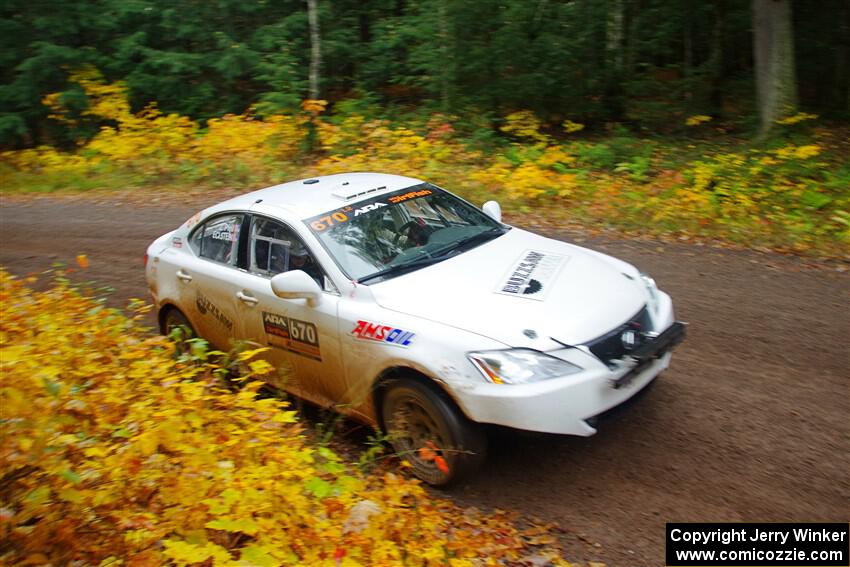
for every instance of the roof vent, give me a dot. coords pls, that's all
(310, 181)
(347, 193)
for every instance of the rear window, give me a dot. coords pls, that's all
(218, 239)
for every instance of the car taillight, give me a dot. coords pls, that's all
(146, 259)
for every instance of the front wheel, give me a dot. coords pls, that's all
(428, 431)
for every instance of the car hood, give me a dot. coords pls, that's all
(523, 290)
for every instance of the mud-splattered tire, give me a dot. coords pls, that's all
(427, 430)
(174, 319)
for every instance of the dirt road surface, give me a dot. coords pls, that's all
(750, 423)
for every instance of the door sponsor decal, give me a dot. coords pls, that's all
(369, 331)
(294, 335)
(207, 307)
(532, 275)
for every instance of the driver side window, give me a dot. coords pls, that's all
(275, 248)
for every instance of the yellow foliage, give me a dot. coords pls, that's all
(797, 152)
(569, 126)
(697, 119)
(531, 179)
(153, 143)
(796, 118)
(114, 452)
(525, 126)
(314, 107)
(779, 194)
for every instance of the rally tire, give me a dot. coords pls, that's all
(423, 423)
(172, 319)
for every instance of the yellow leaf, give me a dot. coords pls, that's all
(82, 261)
(244, 525)
(246, 354)
(147, 442)
(285, 417)
(71, 495)
(260, 367)
(95, 452)
(186, 553)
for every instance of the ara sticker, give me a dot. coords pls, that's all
(330, 219)
(532, 275)
(382, 333)
(207, 307)
(294, 335)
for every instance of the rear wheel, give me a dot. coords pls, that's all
(175, 324)
(428, 431)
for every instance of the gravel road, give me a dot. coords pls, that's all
(750, 423)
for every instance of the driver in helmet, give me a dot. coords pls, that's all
(299, 259)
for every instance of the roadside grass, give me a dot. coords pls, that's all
(790, 193)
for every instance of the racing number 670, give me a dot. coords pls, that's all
(302, 332)
(328, 221)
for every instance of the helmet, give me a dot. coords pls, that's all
(298, 250)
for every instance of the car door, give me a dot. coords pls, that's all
(303, 340)
(208, 294)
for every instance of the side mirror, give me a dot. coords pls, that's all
(493, 210)
(296, 284)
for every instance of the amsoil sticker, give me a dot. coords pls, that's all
(207, 307)
(532, 275)
(294, 335)
(369, 331)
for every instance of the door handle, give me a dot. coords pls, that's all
(245, 298)
(183, 276)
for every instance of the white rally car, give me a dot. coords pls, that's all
(401, 305)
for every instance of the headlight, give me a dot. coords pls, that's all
(520, 366)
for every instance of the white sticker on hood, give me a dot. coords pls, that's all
(532, 275)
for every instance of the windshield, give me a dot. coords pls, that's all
(396, 232)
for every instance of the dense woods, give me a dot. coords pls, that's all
(643, 63)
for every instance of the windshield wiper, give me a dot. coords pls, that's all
(471, 241)
(401, 268)
(437, 256)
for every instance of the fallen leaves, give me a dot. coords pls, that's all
(112, 450)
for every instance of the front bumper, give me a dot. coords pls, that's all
(561, 405)
(568, 405)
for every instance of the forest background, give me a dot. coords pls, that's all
(725, 120)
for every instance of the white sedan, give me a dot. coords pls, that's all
(403, 306)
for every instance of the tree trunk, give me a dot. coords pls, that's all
(447, 57)
(315, 48)
(716, 61)
(614, 36)
(773, 48)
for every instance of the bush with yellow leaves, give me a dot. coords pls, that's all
(791, 197)
(114, 452)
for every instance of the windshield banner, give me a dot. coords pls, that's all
(330, 219)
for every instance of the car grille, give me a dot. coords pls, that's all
(612, 346)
